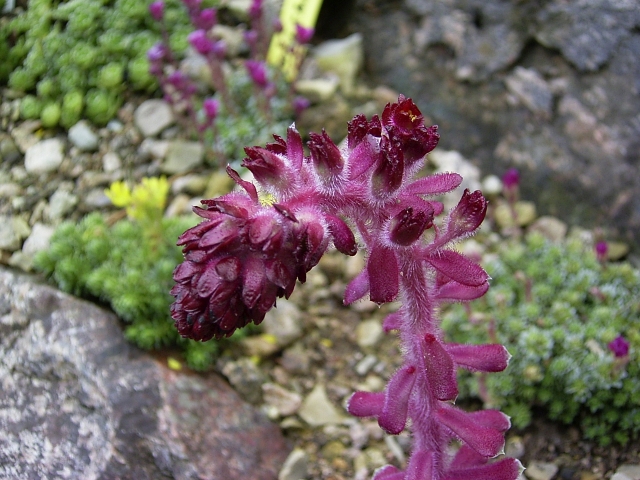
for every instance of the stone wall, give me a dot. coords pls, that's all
(551, 87)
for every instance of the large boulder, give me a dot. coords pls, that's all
(77, 401)
(550, 87)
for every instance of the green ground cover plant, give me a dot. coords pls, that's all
(571, 322)
(128, 265)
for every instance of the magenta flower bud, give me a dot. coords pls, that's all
(387, 177)
(467, 216)
(268, 168)
(251, 37)
(211, 107)
(601, 249)
(393, 417)
(192, 5)
(359, 127)
(300, 104)
(157, 10)
(343, 238)
(277, 26)
(255, 10)
(258, 72)
(219, 49)
(405, 124)
(325, 155)
(409, 225)
(619, 346)
(206, 19)
(303, 34)
(511, 179)
(156, 53)
(200, 42)
(177, 79)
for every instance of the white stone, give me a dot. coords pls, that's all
(61, 203)
(83, 137)
(318, 89)
(295, 467)
(453, 161)
(491, 186)
(37, 241)
(343, 57)
(550, 227)
(317, 409)
(153, 116)
(284, 322)
(183, 157)
(368, 333)
(285, 402)
(111, 162)
(541, 470)
(45, 156)
(12, 231)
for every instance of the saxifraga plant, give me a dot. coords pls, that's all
(245, 254)
(573, 319)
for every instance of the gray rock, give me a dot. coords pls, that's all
(531, 89)
(627, 472)
(153, 116)
(245, 377)
(282, 400)
(13, 230)
(111, 162)
(45, 156)
(586, 33)
(580, 160)
(61, 203)
(182, 157)
(83, 136)
(79, 402)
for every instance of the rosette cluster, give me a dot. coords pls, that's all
(240, 259)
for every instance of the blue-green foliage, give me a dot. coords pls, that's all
(130, 270)
(558, 335)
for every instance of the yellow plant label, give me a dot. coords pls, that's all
(283, 49)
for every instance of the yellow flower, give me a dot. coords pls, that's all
(119, 194)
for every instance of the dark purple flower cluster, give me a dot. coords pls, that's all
(245, 254)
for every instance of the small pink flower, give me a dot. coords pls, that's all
(200, 42)
(303, 34)
(619, 346)
(157, 10)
